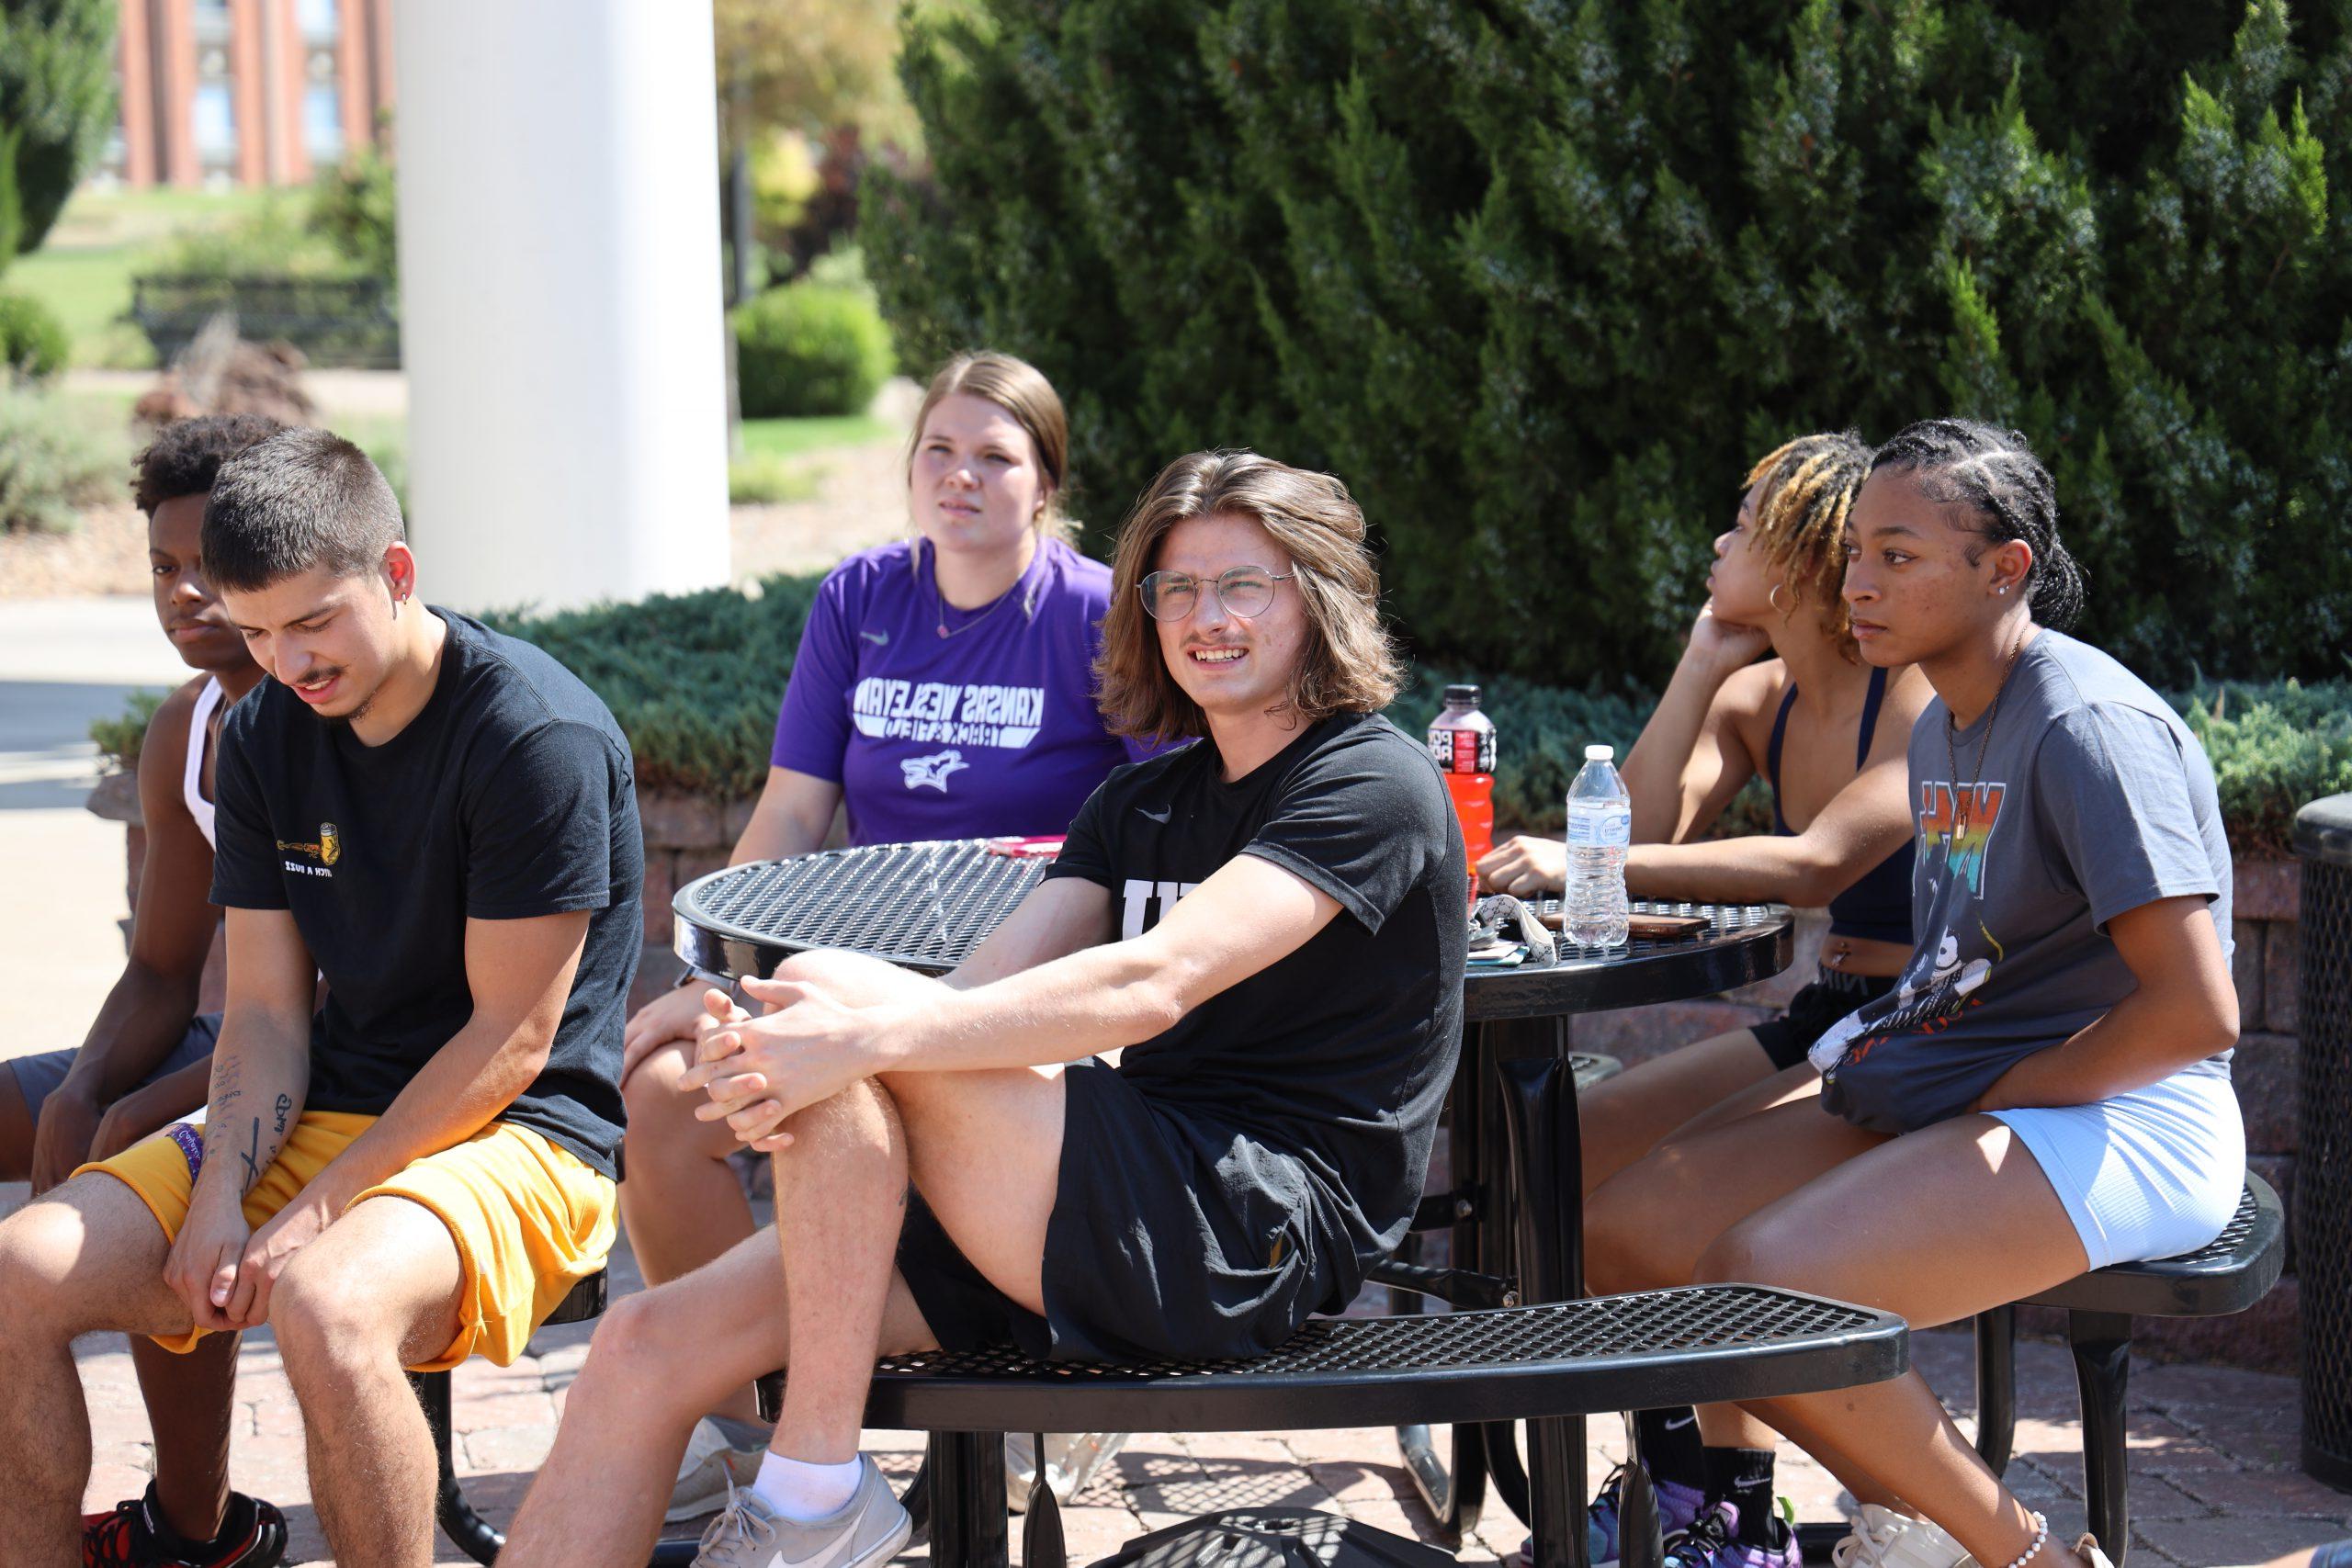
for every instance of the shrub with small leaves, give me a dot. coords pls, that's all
(33, 343)
(53, 461)
(1540, 281)
(809, 349)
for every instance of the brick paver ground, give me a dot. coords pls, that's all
(2213, 1476)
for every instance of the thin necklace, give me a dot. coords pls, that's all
(1964, 801)
(939, 602)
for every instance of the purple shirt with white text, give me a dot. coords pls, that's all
(990, 731)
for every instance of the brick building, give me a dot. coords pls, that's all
(247, 92)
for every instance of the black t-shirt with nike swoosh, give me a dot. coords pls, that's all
(1334, 1059)
(510, 794)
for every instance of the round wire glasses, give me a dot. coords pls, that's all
(1243, 590)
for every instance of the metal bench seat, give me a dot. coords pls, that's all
(1656, 1347)
(1540, 1363)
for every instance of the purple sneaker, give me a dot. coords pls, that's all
(1712, 1543)
(1678, 1507)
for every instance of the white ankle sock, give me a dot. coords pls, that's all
(803, 1491)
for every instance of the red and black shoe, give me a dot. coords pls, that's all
(253, 1535)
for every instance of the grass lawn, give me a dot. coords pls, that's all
(83, 268)
(797, 437)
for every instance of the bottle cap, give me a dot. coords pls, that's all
(1463, 693)
(1599, 753)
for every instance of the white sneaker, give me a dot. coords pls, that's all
(1071, 1460)
(863, 1532)
(1882, 1538)
(712, 1468)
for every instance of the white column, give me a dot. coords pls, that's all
(559, 299)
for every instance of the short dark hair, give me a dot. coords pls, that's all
(300, 499)
(185, 459)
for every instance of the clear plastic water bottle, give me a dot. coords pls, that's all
(1600, 824)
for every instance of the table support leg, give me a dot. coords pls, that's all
(1539, 1117)
(968, 1527)
(1454, 1493)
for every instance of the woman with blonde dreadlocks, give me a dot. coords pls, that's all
(1830, 735)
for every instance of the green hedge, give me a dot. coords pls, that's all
(1540, 280)
(695, 680)
(809, 349)
(33, 343)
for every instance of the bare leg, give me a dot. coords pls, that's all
(376, 1291)
(1787, 1087)
(658, 1360)
(84, 1257)
(1938, 1225)
(1710, 1177)
(189, 1399)
(682, 1203)
(841, 1197)
(1623, 1117)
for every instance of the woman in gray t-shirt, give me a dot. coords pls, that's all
(2046, 1091)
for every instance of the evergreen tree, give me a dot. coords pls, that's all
(1539, 278)
(57, 98)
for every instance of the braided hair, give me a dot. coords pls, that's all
(1994, 473)
(1809, 485)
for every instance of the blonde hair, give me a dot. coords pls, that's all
(1021, 389)
(1349, 664)
(1809, 487)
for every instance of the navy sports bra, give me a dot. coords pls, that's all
(1877, 908)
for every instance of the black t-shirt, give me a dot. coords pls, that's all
(510, 794)
(1336, 1058)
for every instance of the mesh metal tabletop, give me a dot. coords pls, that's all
(1563, 1358)
(927, 906)
(921, 906)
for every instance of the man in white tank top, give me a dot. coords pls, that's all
(147, 1059)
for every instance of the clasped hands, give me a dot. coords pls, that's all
(759, 1072)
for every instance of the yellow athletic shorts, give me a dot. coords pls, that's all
(530, 1220)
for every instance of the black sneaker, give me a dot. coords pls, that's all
(253, 1535)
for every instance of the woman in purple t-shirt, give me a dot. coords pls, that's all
(944, 689)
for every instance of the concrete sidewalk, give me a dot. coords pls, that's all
(64, 663)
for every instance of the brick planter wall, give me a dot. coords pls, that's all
(686, 836)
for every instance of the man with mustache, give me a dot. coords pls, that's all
(441, 822)
(148, 1056)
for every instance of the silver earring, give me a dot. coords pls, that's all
(2005, 589)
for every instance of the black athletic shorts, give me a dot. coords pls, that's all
(1170, 1236)
(1831, 997)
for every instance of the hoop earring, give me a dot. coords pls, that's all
(1772, 597)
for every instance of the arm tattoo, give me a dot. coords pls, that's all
(251, 1157)
(285, 1104)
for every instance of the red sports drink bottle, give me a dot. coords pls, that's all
(1462, 740)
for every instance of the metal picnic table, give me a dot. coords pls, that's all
(1511, 1203)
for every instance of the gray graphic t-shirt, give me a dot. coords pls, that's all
(2094, 799)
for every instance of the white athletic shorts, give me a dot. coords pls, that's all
(2153, 1173)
